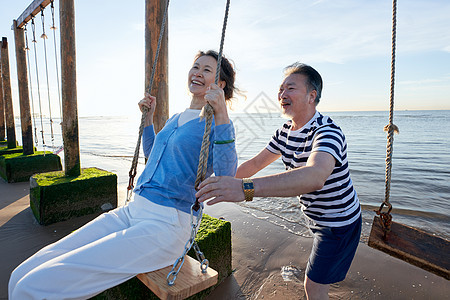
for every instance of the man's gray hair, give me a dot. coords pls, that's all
(314, 80)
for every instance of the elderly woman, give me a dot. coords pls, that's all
(149, 232)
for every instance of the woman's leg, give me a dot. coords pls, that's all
(155, 239)
(101, 226)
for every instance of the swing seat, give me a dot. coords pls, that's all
(189, 281)
(417, 247)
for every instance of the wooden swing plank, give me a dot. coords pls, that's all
(417, 247)
(189, 281)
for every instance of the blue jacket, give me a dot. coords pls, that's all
(173, 155)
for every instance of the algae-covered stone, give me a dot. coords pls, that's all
(17, 167)
(6, 150)
(213, 239)
(55, 197)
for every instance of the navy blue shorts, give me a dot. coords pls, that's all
(332, 252)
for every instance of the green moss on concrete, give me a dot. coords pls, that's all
(16, 167)
(4, 143)
(55, 197)
(214, 240)
(53, 178)
(6, 150)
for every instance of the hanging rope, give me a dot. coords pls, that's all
(385, 217)
(27, 49)
(37, 80)
(44, 37)
(56, 58)
(208, 112)
(133, 169)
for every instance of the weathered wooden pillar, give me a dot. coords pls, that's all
(7, 97)
(154, 12)
(69, 89)
(24, 96)
(2, 107)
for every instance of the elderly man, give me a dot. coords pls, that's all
(314, 151)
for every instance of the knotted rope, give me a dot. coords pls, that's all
(207, 113)
(27, 49)
(44, 37)
(34, 41)
(53, 28)
(385, 217)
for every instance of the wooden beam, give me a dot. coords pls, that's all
(7, 97)
(2, 106)
(69, 89)
(24, 94)
(33, 9)
(154, 12)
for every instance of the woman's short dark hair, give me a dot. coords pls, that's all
(227, 72)
(314, 80)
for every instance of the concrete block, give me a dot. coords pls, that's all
(55, 197)
(16, 167)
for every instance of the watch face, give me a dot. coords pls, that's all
(248, 185)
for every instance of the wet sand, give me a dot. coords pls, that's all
(260, 251)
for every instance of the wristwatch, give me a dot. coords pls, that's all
(249, 189)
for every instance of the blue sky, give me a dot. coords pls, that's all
(348, 42)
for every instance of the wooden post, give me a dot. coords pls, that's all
(154, 12)
(24, 96)
(7, 97)
(2, 106)
(69, 89)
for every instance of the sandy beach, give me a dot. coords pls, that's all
(260, 251)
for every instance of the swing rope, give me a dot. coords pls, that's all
(27, 49)
(133, 169)
(207, 112)
(37, 80)
(56, 58)
(391, 128)
(44, 37)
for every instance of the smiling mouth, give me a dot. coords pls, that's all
(196, 82)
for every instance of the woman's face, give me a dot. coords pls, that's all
(202, 74)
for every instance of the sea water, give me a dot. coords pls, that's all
(420, 183)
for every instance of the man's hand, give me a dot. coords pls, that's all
(220, 189)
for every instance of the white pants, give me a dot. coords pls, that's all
(136, 238)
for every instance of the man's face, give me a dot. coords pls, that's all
(293, 95)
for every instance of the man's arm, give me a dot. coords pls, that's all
(295, 182)
(257, 163)
(303, 180)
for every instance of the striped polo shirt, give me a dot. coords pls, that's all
(337, 203)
